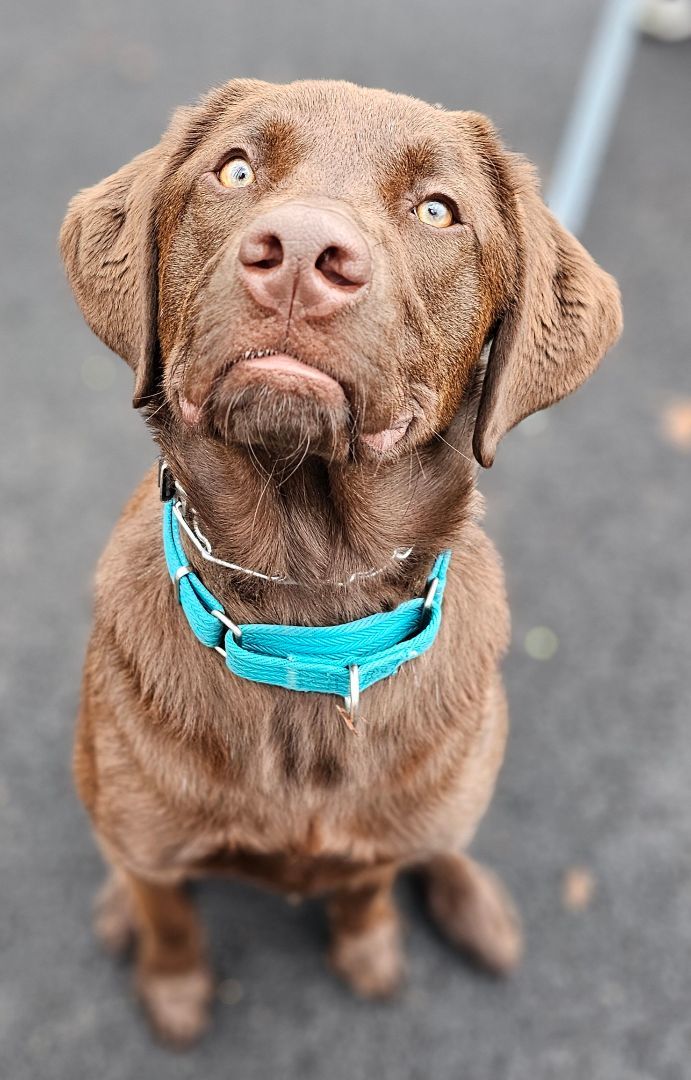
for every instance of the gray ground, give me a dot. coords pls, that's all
(590, 507)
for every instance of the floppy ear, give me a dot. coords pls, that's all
(108, 238)
(562, 315)
(108, 244)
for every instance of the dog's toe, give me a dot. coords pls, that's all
(370, 962)
(177, 1005)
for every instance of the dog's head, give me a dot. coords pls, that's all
(322, 264)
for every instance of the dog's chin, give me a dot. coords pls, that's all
(286, 424)
(290, 410)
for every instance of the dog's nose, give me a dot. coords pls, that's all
(306, 261)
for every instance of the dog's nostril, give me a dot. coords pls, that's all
(262, 253)
(272, 255)
(304, 261)
(332, 263)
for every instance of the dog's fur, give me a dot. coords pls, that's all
(187, 770)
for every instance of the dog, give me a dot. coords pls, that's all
(335, 302)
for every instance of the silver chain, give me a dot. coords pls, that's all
(192, 529)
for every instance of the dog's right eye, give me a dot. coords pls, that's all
(236, 173)
(435, 212)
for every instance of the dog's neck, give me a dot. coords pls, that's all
(320, 524)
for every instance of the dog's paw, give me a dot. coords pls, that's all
(370, 962)
(177, 1006)
(476, 913)
(113, 918)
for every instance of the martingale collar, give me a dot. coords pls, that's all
(342, 659)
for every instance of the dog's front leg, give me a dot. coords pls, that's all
(474, 910)
(172, 976)
(365, 935)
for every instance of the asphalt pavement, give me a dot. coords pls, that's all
(589, 504)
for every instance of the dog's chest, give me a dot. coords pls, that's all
(305, 789)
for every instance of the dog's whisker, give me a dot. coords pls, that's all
(263, 492)
(162, 406)
(259, 468)
(419, 461)
(455, 449)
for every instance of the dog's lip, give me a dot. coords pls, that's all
(292, 372)
(191, 412)
(284, 365)
(287, 370)
(383, 441)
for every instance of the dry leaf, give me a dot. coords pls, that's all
(577, 889)
(676, 423)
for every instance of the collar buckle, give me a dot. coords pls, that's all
(168, 487)
(352, 699)
(235, 630)
(430, 593)
(166, 480)
(180, 573)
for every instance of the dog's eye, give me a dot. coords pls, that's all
(435, 212)
(236, 173)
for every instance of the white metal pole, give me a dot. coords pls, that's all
(594, 110)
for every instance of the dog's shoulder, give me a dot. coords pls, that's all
(132, 563)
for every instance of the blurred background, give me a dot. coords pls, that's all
(588, 503)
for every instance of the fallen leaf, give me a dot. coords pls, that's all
(577, 888)
(676, 423)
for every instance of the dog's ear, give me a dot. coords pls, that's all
(562, 313)
(108, 244)
(108, 239)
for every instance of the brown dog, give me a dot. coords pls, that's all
(304, 279)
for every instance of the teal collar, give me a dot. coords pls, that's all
(342, 659)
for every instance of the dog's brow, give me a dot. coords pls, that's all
(275, 133)
(410, 162)
(278, 141)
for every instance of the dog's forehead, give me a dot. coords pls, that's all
(347, 108)
(331, 123)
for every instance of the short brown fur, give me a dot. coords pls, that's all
(185, 769)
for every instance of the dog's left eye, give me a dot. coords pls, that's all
(435, 212)
(236, 173)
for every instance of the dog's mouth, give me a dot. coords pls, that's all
(287, 371)
(272, 399)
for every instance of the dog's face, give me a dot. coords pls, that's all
(338, 227)
(319, 266)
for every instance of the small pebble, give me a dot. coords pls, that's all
(230, 992)
(541, 643)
